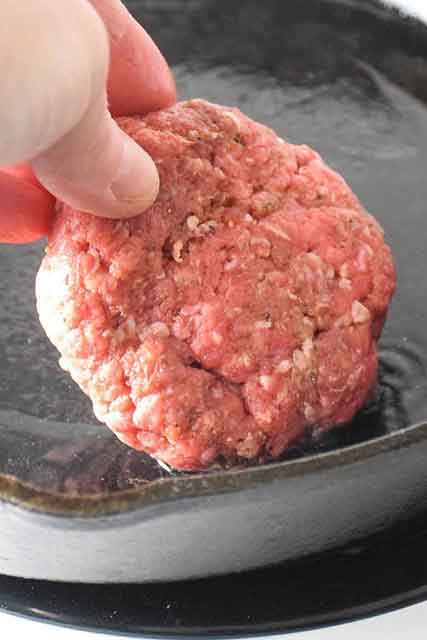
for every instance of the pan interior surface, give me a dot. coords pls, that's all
(350, 80)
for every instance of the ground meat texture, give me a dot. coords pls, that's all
(238, 313)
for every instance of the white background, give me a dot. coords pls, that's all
(407, 623)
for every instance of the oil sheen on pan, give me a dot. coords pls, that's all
(359, 102)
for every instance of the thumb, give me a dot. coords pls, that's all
(54, 111)
(96, 167)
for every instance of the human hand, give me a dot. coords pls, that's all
(57, 61)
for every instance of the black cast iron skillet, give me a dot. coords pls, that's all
(350, 79)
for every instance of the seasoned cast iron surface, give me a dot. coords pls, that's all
(343, 77)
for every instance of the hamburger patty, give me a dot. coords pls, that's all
(238, 313)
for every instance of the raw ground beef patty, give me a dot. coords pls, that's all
(238, 313)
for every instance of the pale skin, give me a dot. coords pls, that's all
(67, 67)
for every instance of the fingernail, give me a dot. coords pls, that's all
(137, 183)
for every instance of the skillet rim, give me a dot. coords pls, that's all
(183, 487)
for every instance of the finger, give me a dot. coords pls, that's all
(55, 110)
(26, 209)
(23, 171)
(139, 80)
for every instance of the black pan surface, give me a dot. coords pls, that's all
(349, 78)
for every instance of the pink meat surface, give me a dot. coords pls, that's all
(237, 314)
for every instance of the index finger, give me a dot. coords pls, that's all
(139, 79)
